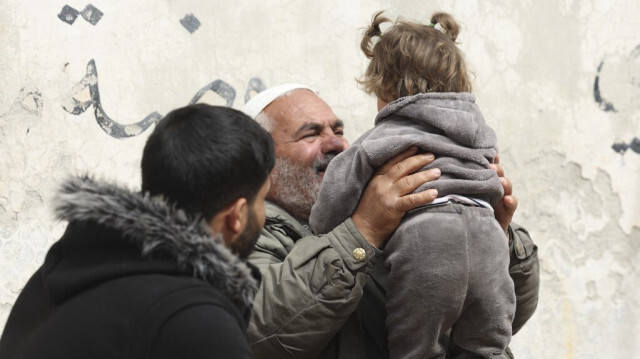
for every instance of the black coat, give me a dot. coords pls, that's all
(131, 278)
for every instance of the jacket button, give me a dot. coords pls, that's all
(359, 254)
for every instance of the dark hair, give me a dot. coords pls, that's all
(202, 157)
(412, 58)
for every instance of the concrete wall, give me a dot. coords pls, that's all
(81, 86)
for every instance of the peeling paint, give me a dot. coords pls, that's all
(31, 100)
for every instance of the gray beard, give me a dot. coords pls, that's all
(298, 187)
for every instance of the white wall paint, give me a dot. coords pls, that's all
(535, 62)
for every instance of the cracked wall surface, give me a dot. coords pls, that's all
(559, 81)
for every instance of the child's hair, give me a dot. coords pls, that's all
(412, 58)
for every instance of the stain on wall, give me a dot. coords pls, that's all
(585, 260)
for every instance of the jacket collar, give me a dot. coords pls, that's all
(159, 229)
(278, 217)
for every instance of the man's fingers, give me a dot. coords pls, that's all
(510, 204)
(399, 158)
(410, 182)
(415, 200)
(409, 165)
(506, 185)
(505, 209)
(496, 167)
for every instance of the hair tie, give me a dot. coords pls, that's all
(438, 27)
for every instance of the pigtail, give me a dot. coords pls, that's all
(412, 58)
(366, 45)
(449, 26)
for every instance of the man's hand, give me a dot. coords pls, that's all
(506, 207)
(388, 195)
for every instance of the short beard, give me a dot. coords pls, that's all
(298, 187)
(243, 245)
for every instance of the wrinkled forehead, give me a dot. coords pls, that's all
(298, 108)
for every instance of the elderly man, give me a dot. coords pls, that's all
(324, 296)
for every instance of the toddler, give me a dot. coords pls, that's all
(447, 261)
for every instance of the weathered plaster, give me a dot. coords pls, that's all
(557, 80)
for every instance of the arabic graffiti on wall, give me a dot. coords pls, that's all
(616, 90)
(75, 103)
(90, 13)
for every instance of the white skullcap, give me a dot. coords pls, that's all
(258, 102)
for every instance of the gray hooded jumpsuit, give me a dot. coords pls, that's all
(448, 263)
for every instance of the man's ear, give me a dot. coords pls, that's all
(236, 217)
(231, 220)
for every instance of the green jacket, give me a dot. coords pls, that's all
(320, 298)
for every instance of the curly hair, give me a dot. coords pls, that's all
(412, 58)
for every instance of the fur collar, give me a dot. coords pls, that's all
(157, 228)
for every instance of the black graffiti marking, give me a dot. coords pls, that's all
(68, 14)
(604, 105)
(90, 13)
(108, 125)
(635, 145)
(190, 22)
(220, 87)
(79, 102)
(622, 147)
(254, 87)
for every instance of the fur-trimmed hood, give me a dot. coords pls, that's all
(160, 231)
